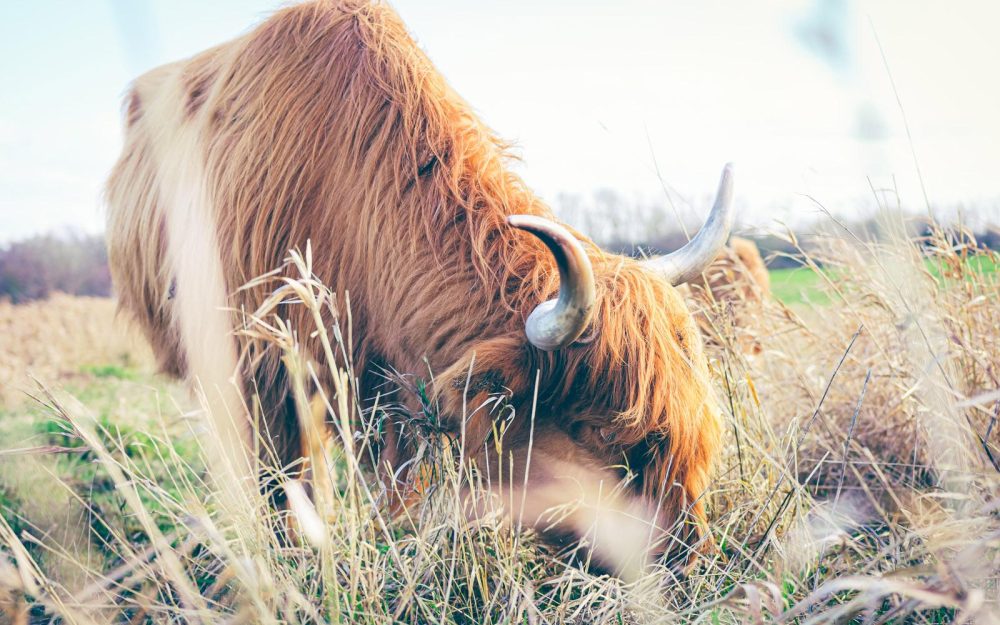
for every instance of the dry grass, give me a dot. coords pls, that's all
(62, 340)
(858, 485)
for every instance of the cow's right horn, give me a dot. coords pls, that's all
(558, 322)
(692, 259)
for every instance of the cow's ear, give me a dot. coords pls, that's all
(488, 370)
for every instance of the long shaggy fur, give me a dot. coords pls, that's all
(327, 123)
(737, 285)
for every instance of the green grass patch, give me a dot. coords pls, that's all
(799, 285)
(980, 264)
(52, 483)
(109, 371)
(803, 285)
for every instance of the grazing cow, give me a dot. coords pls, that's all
(328, 124)
(732, 290)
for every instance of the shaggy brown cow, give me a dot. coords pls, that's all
(733, 290)
(327, 123)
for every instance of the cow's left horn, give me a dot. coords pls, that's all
(558, 322)
(690, 261)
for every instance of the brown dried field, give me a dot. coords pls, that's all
(63, 340)
(860, 481)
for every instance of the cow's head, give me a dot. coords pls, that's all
(620, 422)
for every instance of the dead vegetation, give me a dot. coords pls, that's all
(63, 340)
(859, 484)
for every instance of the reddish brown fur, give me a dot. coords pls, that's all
(738, 285)
(327, 123)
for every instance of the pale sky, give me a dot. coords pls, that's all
(593, 94)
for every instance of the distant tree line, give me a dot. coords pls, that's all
(639, 227)
(778, 253)
(642, 227)
(34, 268)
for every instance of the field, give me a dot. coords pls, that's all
(860, 481)
(803, 285)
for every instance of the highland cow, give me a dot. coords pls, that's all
(328, 124)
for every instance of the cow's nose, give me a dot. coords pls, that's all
(623, 536)
(615, 530)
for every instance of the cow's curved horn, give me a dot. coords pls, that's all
(692, 259)
(558, 322)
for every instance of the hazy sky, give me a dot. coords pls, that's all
(593, 93)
